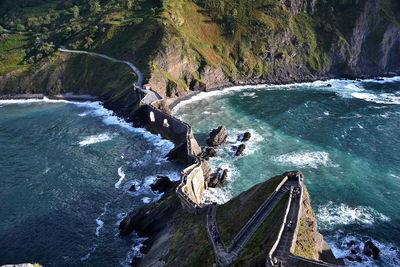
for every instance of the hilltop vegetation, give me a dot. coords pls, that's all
(183, 45)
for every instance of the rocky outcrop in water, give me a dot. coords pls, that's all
(208, 152)
(218, 178)
(240, 150)
(217, 136)
(246, 137)
(370, 249)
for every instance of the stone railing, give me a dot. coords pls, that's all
(181, 133)
(278, 239)
(304, 261)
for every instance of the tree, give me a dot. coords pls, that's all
(94, 6)
(75, 11)
(1, 29)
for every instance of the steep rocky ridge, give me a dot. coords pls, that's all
(179, 238)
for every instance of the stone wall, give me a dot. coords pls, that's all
(171, 128)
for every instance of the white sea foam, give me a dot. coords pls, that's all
(134, 251)
(99, 222)
(146, 200)
(100, 225)
(91, 250)
(342, 87)
(93, 139)
(306, 159)
(394, 175)
(331, 215)
(339, 243)
(29, 101)
(251, 145)
(108, 117)
(121, 175)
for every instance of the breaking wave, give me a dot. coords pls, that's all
(121, 175)
(306, 159)
(93, 139)
(332, 215)
(340, 243)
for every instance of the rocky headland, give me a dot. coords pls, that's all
(176, 237)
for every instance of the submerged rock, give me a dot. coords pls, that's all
(208, 152)
(217, 136)
(218, 178)
(246, 137)
(356, 258)
(132, 188)
(240, 150)
(163, 184)
(223, 177)
(351, 243)
(371, 250)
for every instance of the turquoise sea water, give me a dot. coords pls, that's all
(344, 138)
(65, 170)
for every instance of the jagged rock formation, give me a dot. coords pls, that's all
(217, 136)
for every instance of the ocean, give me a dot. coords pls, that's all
(65, 172)
(343, 135)
(66, 167)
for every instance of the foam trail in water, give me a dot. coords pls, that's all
(121, 177)
(306, 159)
(93, 139)
(87, 256)
(134, 251)
(99, 222)
(331, 215)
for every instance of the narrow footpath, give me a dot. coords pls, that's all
(226, 256)
(150, 95)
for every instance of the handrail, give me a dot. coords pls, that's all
(272, 251)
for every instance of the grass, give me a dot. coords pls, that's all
(12, 52)
(242, 207)
(189, 244)
(306, 246)
(256, 250)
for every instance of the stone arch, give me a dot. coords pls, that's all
(165, 123)
(152, 117)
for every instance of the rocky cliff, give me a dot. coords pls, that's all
(179, 238)
(195, 45)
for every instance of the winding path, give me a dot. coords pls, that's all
(149, 95)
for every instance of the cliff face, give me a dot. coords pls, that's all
(191, 45)
(302, 46)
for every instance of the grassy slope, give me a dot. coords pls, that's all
(230, 221)
(190, 245)
(12, 53)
